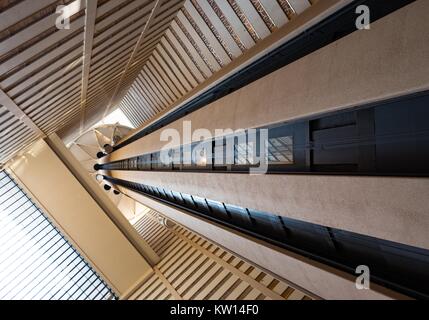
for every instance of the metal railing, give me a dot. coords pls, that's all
(397, 266)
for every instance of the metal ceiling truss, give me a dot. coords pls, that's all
(52, 76)
(204, 37)
(141, 55)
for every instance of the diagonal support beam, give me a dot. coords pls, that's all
(146, 27)
(91, 14)
(10, 105)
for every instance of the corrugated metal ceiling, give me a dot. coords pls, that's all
(142, 55)
(204, 37)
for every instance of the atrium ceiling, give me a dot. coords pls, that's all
(139, 55)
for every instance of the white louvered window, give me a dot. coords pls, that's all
(36, 261)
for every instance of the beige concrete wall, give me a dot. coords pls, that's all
(387, 61)
(75, 212)
(102, 198)
(388, 208)
(367, 66)
(323, 281)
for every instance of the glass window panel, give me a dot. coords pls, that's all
(202, 153)
(280, 150)
(36, 261)
(176, 156)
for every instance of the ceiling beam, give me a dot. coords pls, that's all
(12, 107)
(91, 14)
(134, 53)
(21, 11)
